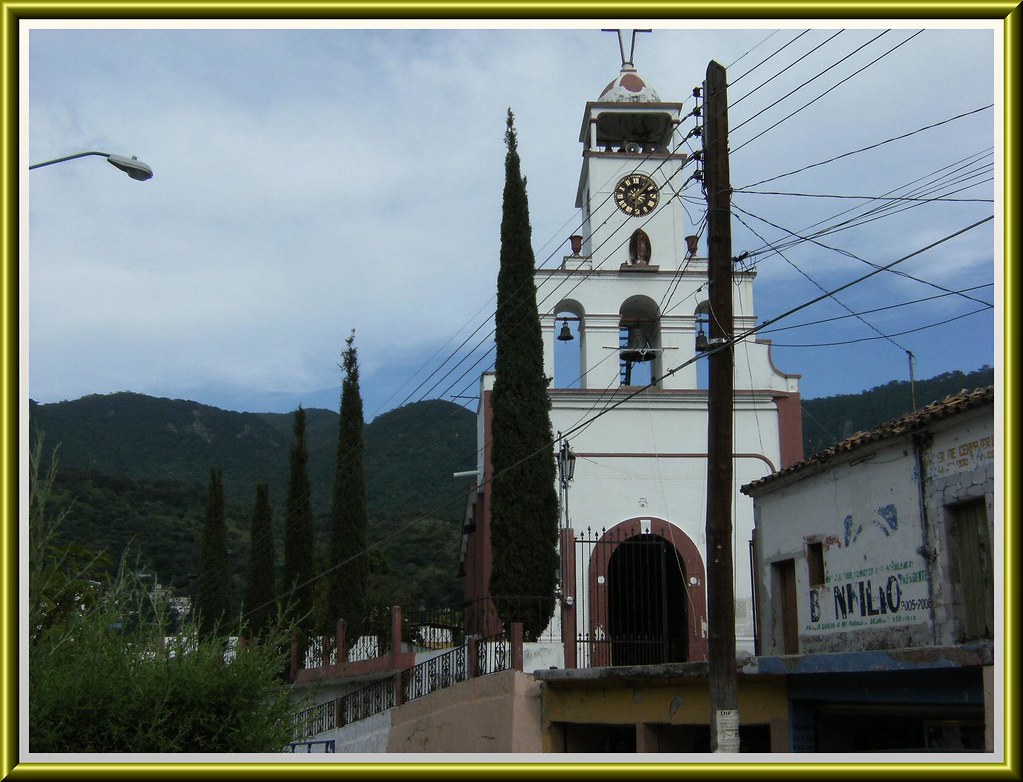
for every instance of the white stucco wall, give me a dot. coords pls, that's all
(647, 458)
(888, 578)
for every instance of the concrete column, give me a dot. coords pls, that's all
(340, 639)
(568, 600)
(646, 738)
(516, 646)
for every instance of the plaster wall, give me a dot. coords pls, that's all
(606, 233)
(865, 513)
(889, 573)
(598, 297)
(959, 466)
(656, 701)
(365, 736)
(498, 713)
(647, 458)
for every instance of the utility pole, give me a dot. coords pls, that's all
(724, 718)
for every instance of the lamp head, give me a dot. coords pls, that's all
(131, 166)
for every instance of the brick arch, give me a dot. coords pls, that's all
(692, 567)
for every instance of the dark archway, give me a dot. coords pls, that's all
(647, 612)
(685, 581)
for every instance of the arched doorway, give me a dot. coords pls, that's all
(647, 615)
(646, 599)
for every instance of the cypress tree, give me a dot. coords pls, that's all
(212, 601)
(260, 600)
(524, 502)
(349, 564)
(297, 580)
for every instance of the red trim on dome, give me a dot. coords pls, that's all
(632, 82)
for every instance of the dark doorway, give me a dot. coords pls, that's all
(647, 612)
(971, 546)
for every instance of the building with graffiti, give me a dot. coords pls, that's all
(882, 548)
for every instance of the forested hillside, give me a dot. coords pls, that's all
(830, 419)
(134, 469)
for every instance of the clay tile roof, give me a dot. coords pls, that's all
(907, 424)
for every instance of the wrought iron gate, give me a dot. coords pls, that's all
(632, 601)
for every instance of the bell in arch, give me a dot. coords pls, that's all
(566, 332)
(638, 347)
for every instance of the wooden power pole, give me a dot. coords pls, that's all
(724, 724)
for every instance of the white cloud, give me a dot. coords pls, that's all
(308, 182)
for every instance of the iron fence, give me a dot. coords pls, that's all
(316, 719)
(319, 651)
(468, 654)
(367, 701)
(434, 674)
(312, 746)
(449, 626)
(632, 604)
(492, 655)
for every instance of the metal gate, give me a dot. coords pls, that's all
(632, 601)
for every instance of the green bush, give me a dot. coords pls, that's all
(102, 677)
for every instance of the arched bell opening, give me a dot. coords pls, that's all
(702, 318)
(639, 342)
(569, 339)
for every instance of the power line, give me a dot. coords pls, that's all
(865, 197)
(820, 287)
(873, 146)
(739, 78)
(849, 254)
(830, 89)
(884, 336)
(886, 308)
(632, 394)
(783, 70)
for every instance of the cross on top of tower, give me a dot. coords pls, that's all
(621, 44)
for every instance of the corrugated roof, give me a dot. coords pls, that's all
(907, 424)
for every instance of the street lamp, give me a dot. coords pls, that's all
(566, 470)
(131, 166)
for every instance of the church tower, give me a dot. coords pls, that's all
(622, 317)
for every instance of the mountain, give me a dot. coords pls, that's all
(411, 452)
(134, 471)
(828, 420)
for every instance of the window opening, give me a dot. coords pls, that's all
(815, 563)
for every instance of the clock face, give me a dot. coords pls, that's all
(636, 195)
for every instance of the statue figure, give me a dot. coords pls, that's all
(639, 248)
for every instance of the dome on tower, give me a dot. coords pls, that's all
(629, 87)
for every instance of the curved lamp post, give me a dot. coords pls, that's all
(131, 166)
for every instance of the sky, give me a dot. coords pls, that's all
(311, 179)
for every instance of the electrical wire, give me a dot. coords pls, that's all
(829, 90)
(872, 146)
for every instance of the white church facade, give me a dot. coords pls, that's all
(623, 318)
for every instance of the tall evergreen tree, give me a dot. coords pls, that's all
(524, 502)
(212, 598)
(297, 581)
(260, 600)
(349, 564)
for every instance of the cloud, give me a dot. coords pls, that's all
(312, 181)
